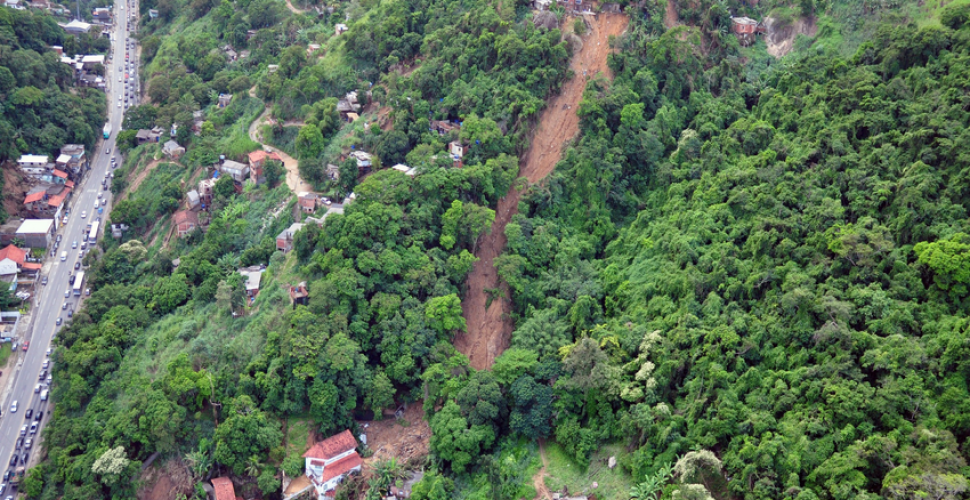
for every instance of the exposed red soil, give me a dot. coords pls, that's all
(388, 438)
(670, 16)
(15, 189)
(490, 329)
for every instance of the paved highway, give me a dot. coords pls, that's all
(50, 299)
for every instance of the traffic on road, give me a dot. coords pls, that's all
(26, 396)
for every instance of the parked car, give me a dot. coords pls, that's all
(33, 428)
(27, 444)
(39, 416)
(46, 364)
(28, 413)
(43, 281)
(77, 265)
(26, 345)
(74, 244)
(37, 388)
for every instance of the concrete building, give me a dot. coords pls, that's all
(34, 165)
(36, 233)
(330, 461)
(284, 240)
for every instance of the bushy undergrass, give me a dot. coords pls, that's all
(563, 472)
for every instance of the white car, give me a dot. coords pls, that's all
(13, 406)
(119, 104)
(84, 214)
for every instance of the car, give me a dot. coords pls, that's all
(95, 203)
(74, 244)
(39, 416)
(6, 475)
(87, 292)
(28, 413)
(119, 78)
(25, 457)
(43, 281)
(119, 104)
(84, 214)
(84, 245)
(70, 313)
(33, 428)
(67, 293)
(49, 379)
(65, 220)
(49, 351)
(64, 306)
(46, 364)
(100, 194)
(77, 265)
(43, 374)
(104, 202)
(13, 406)
(27, 444)
(26, 345)
(58, 239)
(13, 461)
(37, 387)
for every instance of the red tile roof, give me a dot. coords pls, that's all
(332, 446)
(39, 195)
(183, 216)
(33, 266)
(13, 253)
(69, 184)
(58, 173)
(56, 201)
(260, 155)
(223, 488)
(341, 467)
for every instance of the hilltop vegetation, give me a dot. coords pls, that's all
(750, 276)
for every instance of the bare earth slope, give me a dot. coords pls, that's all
(490, 329)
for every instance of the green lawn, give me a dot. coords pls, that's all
(564, 472)
(297, 431)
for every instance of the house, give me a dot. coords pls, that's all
(36, 233)
(311, 48)
(102, 15)
(364, 161)
(185, 221)
(333, 172)
(145, 136)
(230, 52)
(74, 159)
(284, 240)
(299, 294)
(272, 68)
(308, 202)
(347, 105)
(746, 29)
(256, 161)
(58, 49)
(443, 127)
(406, 170)
(457, 149)
(206, 187)
(76, 27)
(238, 171)
(88, 63)
(222, 488)
(14, 260)
(541, 4)
(117, 230)
(250, 34)
(341, 28)
(197, 122)
(153, 13)
(173, 150)
(36, 199)
(330, 461)
(14, 4)
(224, 100)
(253, 275)
(33, 165)
(193, 201)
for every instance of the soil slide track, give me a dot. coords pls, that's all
(490, 329)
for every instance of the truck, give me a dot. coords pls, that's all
(78, 283)
(17, 476)
(93, 235)
(107, 130)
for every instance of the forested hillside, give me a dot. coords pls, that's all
(40, 110)
(748, 276)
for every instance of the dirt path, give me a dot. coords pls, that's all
(141, 177)
(293, 9)
(670, 16)
(293, 180)
(490, 329)
(539, 480)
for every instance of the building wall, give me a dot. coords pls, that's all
(8, 266)
(41, 240)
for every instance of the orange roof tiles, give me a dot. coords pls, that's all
(60, 174)
(13, 253)
(260, 155)
(341, 467)
(39, 195)
(332, 446)
(223, 488)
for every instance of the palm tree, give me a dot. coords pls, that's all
(252, 466)
(652, 486)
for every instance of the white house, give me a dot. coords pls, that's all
(330, 461)
(33, 165)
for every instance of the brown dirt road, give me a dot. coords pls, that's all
(539, 480)
(490, 329)
(293, 180)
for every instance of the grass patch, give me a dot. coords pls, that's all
(297, 432)
(5, 354)
(285, 140)
(565, 473)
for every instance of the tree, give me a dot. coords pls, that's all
(380, 394)
(348, 176)
(531, 408)
(444, 314)
(111, 465)
(274, 171)
(454, 440)
(224, 187)
(309, 142)
(247, 432)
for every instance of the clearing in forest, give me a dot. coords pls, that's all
(490, 328)
(293, 180)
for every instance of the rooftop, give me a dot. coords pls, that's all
(183, 216)
(223, 488)
(13, 253)
(333, 446)
(32, 159)
(253, 275)
(35, 226)
(341, 467)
